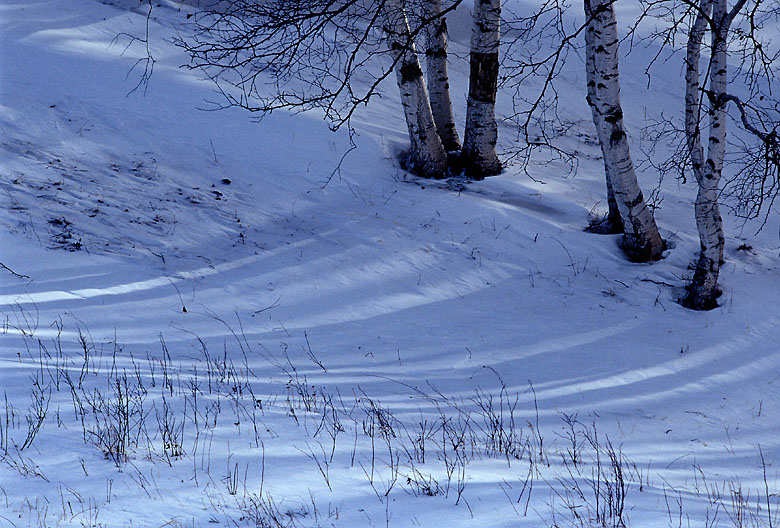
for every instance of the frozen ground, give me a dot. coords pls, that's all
(200, 333)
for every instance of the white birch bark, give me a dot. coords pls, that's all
(693, 89)
(479, 142)
(438, 77)
(613, 222)
(642, 241)
(703, 290)
(427, 155)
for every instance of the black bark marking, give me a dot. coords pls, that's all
(483, 81)
(617, 136)
(636, 201)
(410, 72)
(614, 115)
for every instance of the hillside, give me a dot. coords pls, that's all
(208, 326)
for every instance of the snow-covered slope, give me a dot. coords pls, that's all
(215, 336)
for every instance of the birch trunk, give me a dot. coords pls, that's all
(479, 143)
(612, 223)
(642, 241)
(693, 91)
(427, 155)
(438, 77)
(703, 290)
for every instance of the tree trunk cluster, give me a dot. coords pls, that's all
(703, 290)
(427, 155)
(245, 39)
(434, 140)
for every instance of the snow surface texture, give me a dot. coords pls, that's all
(200, 333)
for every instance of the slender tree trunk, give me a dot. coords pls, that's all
(612, 223)
(479, 143)
(438, 77)
(642, 241)
(427, 155)
(703, 290)
(693, 90)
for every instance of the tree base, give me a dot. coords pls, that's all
(703, 291)
(457, 165)
(479, 172)
(699, 301)
(454, 163)
(409, 164)
(606, 225)
(637, 251)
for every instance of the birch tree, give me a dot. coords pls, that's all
(612, 223)
(427, 155)
(744, 171)
(707, 168)
(479, 143)
(437, 75)
(642, 241)
(702, 292)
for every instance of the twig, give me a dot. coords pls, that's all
(21, 276)
(571, 260)
(214, 151)
(311, 354)
(766, 487)
(660, 283)
(272, 305)
(183, 307)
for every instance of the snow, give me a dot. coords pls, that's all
(281, 306)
